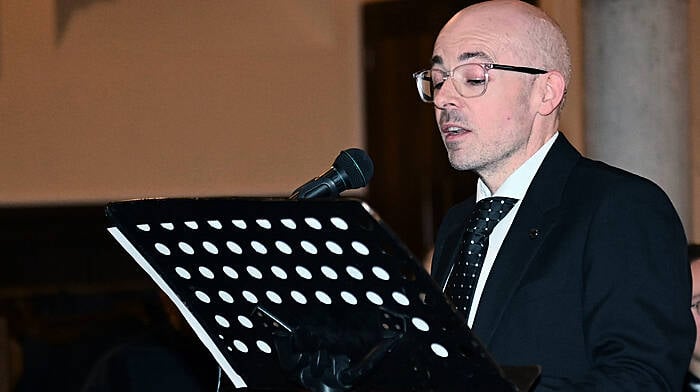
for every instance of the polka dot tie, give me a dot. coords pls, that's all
(465, 273)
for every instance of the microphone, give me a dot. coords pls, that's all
(353, 168)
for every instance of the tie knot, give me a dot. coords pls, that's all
(488, 212)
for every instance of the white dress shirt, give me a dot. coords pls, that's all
(514, 186)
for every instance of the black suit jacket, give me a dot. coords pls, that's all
(592, 281)
(691, 383)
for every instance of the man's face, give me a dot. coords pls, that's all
(488, 133)
(695, 271)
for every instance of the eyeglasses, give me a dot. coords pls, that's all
(696, 307)
(470, 80)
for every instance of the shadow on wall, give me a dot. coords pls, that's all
(65, 9)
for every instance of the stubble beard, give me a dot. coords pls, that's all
(460, 156)
(481, 158)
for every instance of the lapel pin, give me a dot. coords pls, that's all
(533, 233)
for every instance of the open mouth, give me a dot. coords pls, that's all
(453, 130)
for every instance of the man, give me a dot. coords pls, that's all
(585, 272)
(693, 377)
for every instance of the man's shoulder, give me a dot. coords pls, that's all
(565, 161)
(603, 177)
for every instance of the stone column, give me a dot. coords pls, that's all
(636, 64)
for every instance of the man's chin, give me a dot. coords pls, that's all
(461, 165)
(459, 157)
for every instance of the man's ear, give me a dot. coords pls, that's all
(554, 91)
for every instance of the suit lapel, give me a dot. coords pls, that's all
(452, 244)
(534, 220)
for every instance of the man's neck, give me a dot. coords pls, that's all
(494, 175)
(494, 180)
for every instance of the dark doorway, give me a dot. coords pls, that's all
(413, 184)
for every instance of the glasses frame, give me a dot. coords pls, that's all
(420, 76)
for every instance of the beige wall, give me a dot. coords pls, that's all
(145, 98)
(174, 97)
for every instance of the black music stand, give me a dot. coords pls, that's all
(304, 294)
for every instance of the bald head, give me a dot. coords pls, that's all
(523, 31)
(522, 90)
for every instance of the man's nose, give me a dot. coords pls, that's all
(447, 95)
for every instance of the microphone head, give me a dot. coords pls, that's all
(357, 166)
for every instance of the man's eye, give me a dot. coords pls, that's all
(438, 85)
(475, 82)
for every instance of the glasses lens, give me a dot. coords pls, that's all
(425, 86)
(470, 80)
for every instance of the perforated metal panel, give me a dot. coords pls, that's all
(287, 293)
